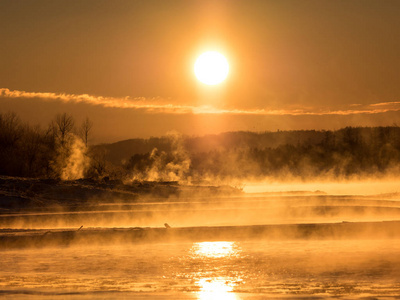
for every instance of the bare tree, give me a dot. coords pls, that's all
(98, 163)
(11, 129)
(85, 130)
(64, 124)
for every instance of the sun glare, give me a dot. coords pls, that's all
(214, 249)
(211, 68)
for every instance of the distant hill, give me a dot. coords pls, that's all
(119, 152)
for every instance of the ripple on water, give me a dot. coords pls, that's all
(210, 270)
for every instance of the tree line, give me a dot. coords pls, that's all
(348, 152)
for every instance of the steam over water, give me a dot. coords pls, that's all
(207, 270)
(345, 267)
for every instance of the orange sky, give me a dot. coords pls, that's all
(128, 65)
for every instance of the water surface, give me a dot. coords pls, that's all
(206, 270)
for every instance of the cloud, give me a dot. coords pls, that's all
(148, 104)
(158, 105)
(386, 103)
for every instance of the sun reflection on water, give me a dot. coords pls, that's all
(214, 249)
(211, 281)
(216, 288)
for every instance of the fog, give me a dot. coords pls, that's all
(257, 204)
(207, 270)
(264, 239)
(365, 186)
(235, 216)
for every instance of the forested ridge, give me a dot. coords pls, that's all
(347, 152)
(61, 150)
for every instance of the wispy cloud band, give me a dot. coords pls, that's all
(156, 105)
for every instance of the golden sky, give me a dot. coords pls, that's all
(128, 65)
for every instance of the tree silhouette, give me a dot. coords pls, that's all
(63, 125)
(85, 130)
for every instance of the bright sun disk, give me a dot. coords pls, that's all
(211, 68)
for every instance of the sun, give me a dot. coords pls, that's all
(211, 68)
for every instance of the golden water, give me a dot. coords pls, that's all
(206, 270)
